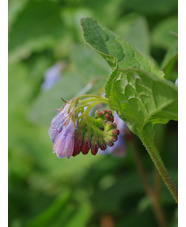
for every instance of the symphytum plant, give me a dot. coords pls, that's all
(136, 89)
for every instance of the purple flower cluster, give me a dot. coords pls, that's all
(103, 133)
(70, 136)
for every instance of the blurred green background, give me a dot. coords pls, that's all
(99, 190)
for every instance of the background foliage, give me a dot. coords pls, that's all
(85, 190)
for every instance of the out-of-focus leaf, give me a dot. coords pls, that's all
(19, 87)
(14, 7)
(71, 19)
(89, 65)
(36, 27)
(175, 219)
(135, 219)
(81, 216)
(163, 33)
(151, 7)
(144, 204)
(133, 29)
(102, 10)
(110, 199)
(48, 216)
(170, 60)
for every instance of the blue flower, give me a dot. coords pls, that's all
(52, 75)
(176, 82)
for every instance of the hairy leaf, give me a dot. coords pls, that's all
(141, 98)
(114, 49)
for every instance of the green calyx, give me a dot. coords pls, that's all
(99, 130)
(93, 131)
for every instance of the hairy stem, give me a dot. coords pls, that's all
(157, 182)
(153, 152)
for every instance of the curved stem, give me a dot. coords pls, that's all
(79, 107)
(87, 100)
(153, 152)
(91, 101)
(105, 100)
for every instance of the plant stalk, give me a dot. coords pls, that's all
(153, 152)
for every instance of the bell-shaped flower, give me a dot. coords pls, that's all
(56, 124)
(64, 141)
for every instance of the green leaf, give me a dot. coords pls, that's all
(134, 29)
(135, 218)
(163, 33)
(101, 199)
(20, 89)
(114, 49)
(147, 7)
(14, 7)
(36, 27)
(136, 90)
(89, 65)
(170, 60)
(141, 98)
(52, 212)
(81, 216)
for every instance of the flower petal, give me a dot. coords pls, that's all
(64, 145)
(56, 124)
(64, 141)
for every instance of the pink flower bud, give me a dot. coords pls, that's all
(110, 143)
(94, 149)
(77, 147)
(85, 147)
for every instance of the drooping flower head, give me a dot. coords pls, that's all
(73, 130)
